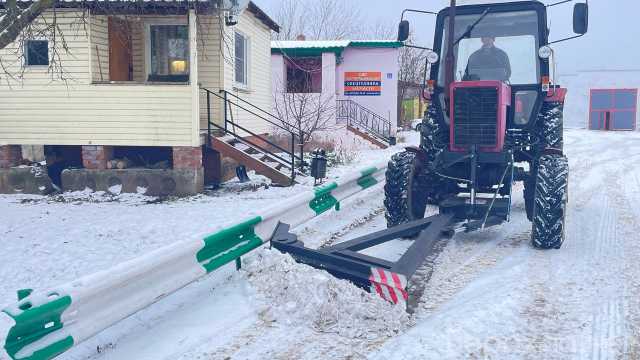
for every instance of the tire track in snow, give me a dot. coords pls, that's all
(571, 304)
(618, 318)
(578, 293)
(608, 319)
(464, 257)
(627, 195)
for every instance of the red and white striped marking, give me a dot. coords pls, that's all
(389, 285)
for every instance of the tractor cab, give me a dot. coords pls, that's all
(493, 44)
(494, 118)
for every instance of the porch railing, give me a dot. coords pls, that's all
(360, 117)
(292, 157)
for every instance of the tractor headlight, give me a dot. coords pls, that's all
(545, 52)
(433, 57)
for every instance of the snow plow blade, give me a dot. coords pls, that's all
(388, 279)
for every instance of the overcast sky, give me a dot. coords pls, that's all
(613, 41)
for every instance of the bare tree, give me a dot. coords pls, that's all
(381, 30)
(21, 21)
(304, 112)
(15, 18)
(318, 20)
(328, 20)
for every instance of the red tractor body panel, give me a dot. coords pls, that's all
(556, 95)
(477, 118)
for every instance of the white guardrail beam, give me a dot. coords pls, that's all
(43, 325)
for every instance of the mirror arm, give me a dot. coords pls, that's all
(416, 11)
(565, 39)
(559, 3)
(564, 2)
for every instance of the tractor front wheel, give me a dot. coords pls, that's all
(405, 190)
(550, 202)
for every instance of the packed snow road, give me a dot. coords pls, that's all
(493, 296)
(485, 295)
(489, 294)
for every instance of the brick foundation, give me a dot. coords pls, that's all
(185, 157)
(10, 156)
(96, 156)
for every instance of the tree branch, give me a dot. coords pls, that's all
(12, 24)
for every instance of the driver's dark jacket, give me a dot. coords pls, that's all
(490, 58)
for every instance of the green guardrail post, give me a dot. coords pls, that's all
(324, 200)
(229, 244)
(34, 323)
(367, 180)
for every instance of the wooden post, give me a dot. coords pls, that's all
(193, 78)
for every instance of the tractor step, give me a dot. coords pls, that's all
(386, 278)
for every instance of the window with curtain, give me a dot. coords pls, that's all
(169, 49)
(241, 60)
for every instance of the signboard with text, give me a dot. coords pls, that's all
(367, 83)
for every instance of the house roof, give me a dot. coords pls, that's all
(317, 47)
(262, 16)
(154, 6)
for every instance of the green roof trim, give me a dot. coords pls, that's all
(376, 44)
(338, 50)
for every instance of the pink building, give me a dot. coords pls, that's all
(358, 78)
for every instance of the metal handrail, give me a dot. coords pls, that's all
(299, 134)
(279, 125)
(356, 114)
(290, 163)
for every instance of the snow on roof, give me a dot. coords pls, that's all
(278, 44)
(317, 47)
(318, 44)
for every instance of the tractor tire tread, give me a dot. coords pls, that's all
(550, 202)
(396, 188)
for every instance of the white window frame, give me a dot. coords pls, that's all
(247, 65)
(147, 41)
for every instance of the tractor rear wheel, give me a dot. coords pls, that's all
(550, 202)
(405, 190)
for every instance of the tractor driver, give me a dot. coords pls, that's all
(488, 63)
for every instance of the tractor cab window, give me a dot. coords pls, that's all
(502, 46)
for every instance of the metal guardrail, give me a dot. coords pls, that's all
(359, 116)
(230, 126)
(44, 324)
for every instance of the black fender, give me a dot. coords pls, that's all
(420, 153)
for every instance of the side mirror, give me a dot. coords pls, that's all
(403, 30)
(580, 18)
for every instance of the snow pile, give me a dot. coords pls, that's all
(299, 295)
(89, 196)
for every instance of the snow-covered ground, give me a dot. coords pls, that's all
(489, 295)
